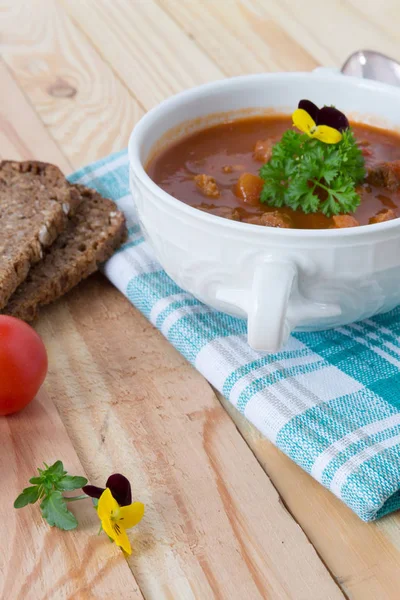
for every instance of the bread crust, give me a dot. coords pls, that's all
(35, 204)
(93, 234)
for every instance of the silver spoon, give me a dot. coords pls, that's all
(372, 65)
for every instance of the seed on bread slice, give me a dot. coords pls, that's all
(94, 232)
(35, 202)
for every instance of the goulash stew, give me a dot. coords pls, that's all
(313, 171)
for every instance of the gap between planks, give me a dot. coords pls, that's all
(237, 418)
(214, 521)
(37, 561)
(363, 557)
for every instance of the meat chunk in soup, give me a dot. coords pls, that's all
(232, 168)
(207, 185)
(227, 212)
(263, 150)
(249, 188)
(384, 215)
(271, 219)
(385, 174)
(340, 221)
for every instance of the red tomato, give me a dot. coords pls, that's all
(23, 364)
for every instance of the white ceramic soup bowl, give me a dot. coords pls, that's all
(279, 279)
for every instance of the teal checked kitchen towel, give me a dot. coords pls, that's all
(329, 400)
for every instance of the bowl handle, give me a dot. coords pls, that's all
(274, 305)
(267, 327)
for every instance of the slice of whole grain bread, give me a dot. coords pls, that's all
(94, 232)
(35, 202)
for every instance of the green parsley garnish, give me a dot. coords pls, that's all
(309, 175)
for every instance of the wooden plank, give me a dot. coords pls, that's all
(87, 110)
(331, 31)
(20, 127)
(363, 557)
(214, 525)
(239, 41)
(37, 561)
(146, 48)
(384, 15)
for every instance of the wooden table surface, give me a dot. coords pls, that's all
(227, 515)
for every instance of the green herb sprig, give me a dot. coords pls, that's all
(49, 488)
(307, 174)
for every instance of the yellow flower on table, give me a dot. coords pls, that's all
(116, 519)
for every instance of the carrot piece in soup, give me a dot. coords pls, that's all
(249, 188)
(263, 150)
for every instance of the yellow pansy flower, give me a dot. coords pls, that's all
(325, 124)
(116, 519)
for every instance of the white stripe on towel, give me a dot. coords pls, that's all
(104, 169)
(364, 432)
(354, 462)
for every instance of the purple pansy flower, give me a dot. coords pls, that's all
(327, 115)
(119, 487)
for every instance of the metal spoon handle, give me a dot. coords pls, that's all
(369, 64)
